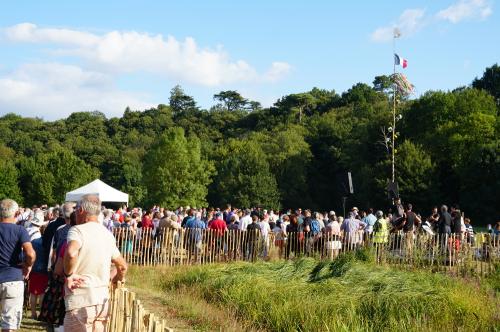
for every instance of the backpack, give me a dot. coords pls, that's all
(377, 226)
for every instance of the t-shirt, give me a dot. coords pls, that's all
(48, 235)
(410, 221)
(265, 229)
(147, 222)
(12, 237)
(60, 237)
(445, 223)
(98, 247)
(369, 221)
(244, 222)
(50, 231)
(39, 266)
(219, 225)
(315, 227)
(252, 235)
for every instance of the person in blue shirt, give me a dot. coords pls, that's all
(369, 220)
(14, 241)
(194, 227)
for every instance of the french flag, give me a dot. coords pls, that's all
(398, 61)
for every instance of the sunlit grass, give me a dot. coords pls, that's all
(348, 294)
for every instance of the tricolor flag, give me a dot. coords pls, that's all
(398, 61)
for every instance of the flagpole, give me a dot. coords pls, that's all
(393, 107)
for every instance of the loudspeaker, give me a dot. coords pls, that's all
(392, 190)
(344, 183)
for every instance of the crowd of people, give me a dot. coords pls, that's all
(68, 253)
(67, 258)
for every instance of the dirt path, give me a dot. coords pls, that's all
(157, 303)
(185, 311)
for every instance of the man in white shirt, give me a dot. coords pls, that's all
(245, 221)
(87, 262)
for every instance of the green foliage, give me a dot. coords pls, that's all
(382, 83)
(47, 177)
(175, 173)
(347, 294)
(9, 187)
(458, 129)
(243, 176)
(286, 155)
(415, 173)
(490, 81)
(231, 100)
(180, 102)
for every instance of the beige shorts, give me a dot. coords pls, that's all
(87, 319)
(11, 301)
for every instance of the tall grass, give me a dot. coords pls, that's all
(347, 294)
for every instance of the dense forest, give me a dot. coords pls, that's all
(287, 155)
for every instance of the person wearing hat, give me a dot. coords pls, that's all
(36, 222)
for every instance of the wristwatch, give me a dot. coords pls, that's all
(67, 275)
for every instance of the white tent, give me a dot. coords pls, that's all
(105, 192)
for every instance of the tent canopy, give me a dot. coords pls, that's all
(105, 192)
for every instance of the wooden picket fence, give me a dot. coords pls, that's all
(128, 315)
(451, 254)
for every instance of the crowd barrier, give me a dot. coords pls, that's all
(453, 254)
(128, 315)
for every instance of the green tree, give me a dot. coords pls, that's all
(175, 173)
(243, 178)
(69, 172)
(289, 156)
(9, 187)
(296, 105)
(415, 173)
(126, 173)
(47, 177)
(490, 81)
(383, 83)
(231, 100)
(179, 101)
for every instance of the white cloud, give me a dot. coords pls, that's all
(53, 91)
(118, 52)
(277, 71)
(466, 9)
(412, 20)
(28, 32)
(409, 22)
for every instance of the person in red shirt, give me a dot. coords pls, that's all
(219, 228)
(147, 221)
(218, 224)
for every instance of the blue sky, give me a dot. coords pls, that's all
(58, 57)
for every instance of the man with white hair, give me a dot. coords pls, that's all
(13, 239)
(87, 261)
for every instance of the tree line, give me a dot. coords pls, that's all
(284, 156)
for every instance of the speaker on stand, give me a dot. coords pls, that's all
(345, 187)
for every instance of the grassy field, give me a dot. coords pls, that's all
(349, 294)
